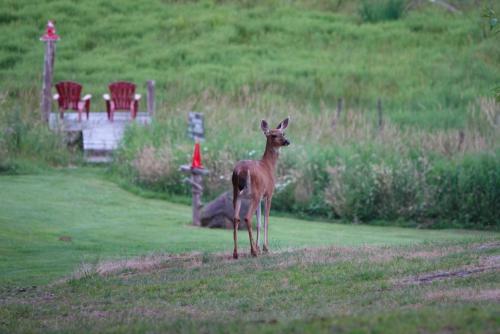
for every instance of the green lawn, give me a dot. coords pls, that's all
(397, 289)
(107, 222)
(363, 279)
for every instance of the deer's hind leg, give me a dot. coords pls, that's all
(236, 221)
(267, 209)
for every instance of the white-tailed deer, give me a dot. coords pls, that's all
(254, 179)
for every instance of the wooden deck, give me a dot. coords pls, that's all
(100, 136)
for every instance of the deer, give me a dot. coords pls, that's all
(255, 180)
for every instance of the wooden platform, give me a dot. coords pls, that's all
(100, 136)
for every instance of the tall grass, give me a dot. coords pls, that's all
(26, 143)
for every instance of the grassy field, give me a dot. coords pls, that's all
(104, 221)
(79, 254)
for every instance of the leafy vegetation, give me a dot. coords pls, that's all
(375, 11)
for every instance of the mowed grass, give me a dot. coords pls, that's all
(446, 288)
(52, 222)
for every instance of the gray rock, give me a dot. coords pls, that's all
(219, 213)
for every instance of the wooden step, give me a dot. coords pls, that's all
(99, 134)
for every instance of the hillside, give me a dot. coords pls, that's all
(428, 66)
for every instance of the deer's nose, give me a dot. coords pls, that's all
(286, 143)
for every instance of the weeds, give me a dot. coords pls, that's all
(25, 142)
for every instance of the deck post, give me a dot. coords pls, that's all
(151, 97)
(46, 103)
(50, 37)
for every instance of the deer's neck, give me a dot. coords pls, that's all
(270, 157)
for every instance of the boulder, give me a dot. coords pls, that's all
(219, 213)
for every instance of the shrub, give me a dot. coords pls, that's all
(381, 10)
(467, 191)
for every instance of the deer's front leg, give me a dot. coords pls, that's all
(258, 216)
(248, 221)
(267, 209)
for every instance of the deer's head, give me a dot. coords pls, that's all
(276, 137)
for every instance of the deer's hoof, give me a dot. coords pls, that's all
(253, 252)
(265, 249)
(235, 255)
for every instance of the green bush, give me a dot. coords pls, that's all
(381, 10)
(468, 191)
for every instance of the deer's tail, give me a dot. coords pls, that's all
(242, 181)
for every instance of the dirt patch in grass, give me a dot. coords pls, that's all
(486, 264)
(487, 246)
(289, 257)
(138, 264)
(466, 294)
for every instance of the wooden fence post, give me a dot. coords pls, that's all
(50, 37)
(339, 107)
(336, 119)
(380, 117)
(151, 97)
(461, 140)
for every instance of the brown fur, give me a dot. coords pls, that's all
(255, 179)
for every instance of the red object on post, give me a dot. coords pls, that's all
(50, 32)
(196, 156)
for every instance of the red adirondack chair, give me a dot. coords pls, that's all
(68, 97)
(122, 97)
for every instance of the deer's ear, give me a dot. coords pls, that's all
(264, 127)
(283, 125)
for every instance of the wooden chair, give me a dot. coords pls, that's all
(68, 97)
(122, 97)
